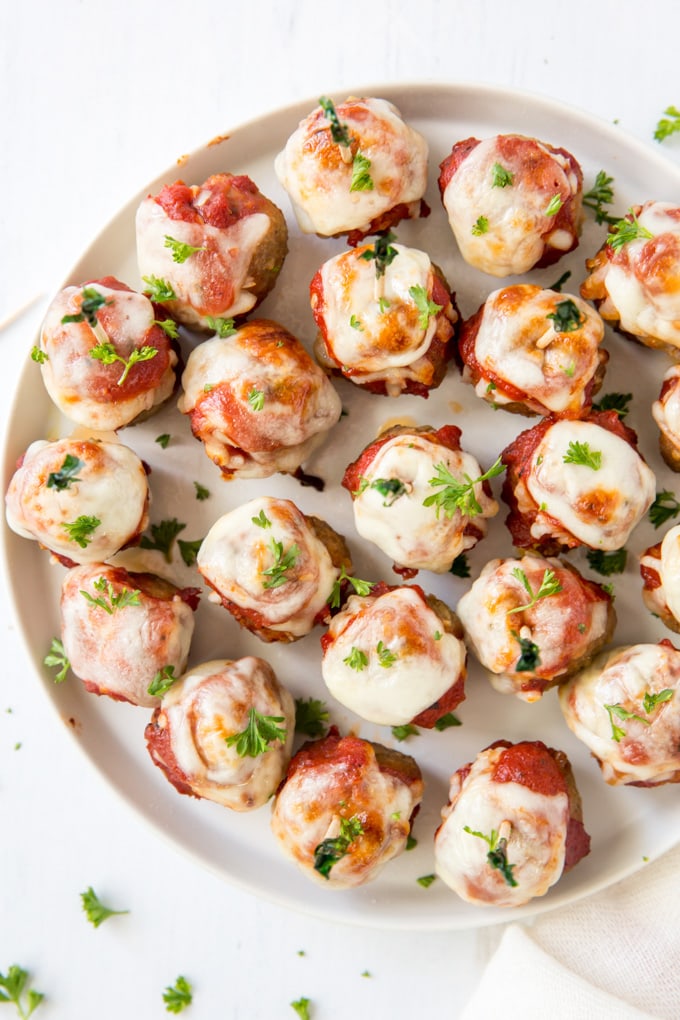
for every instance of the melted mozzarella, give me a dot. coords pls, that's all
(598, 507)
(666, 411)
(648, 748)
(409, 532)
(236, 553)
(535, 843)
(670, 570)
(364, 336)
(517, 341)
(110, 487)
(424, 668)
(118, 653)
(227, 253)
(77, 383)
(211, 703)
(518, 227)
(312, 170)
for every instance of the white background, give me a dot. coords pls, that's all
(96, 99)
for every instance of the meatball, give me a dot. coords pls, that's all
(666, 414)
(660, 570)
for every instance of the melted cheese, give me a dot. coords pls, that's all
(364, 336)
(226, 255)
(236, 553)
(600, 507)
(409, 532)
(649, 748)
(211, 703)
(312, 171)
(535, 844)
(110, 487)
(666, 411)
(424, 666)
(77, 383)
(518, 227)
(518, 342)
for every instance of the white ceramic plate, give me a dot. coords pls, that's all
(628, 826)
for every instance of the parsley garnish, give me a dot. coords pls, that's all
(624, 714)
(500, 177)
(567, 317)
(386, 658)
(108, 355)
(189, 550)
(626, 230)
(664, 508)
(559, 283)
(356, 323)
(405, 731)
(382, 254)
(261, 731)
(13, 985)
(163, 535)
(201, 492)
(81, 529)
(262, 521)
(614, 402)
(276, 574)
(256, 399)
(66, 474)
(411, 843)
(390, 488)
(311, 717)
(361, 178)
(497, 855)
(223, 327)
(607, 563)
(91, 302)
(301, 1007)
(460, 566)
(356, 659)
(362, 588)
(553, 206)
(668, 124)
(600, 194)
(57, 657)
(529, 657)
(169, 327)
(178, 996)
(330, 851)
(446, 722)
(650, 701)
(163, 440)
(339, 132)
(162, 682)
(549, 586)
(426, 880)
(180, 251)
(158, 289)
(480, 226)
(124, 598)
(95, 910)
(457, 495)
(39, 356)
(580, 453)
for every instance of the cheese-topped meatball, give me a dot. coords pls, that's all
(625, 707)
(257, 401)
(121, 630)
(355, 168)
(512, 827)
(534, 351)
(572, 483)
(107, 356)
(395, 656)
(660, 570)
(403, 500)
(533, 621)
(224, 732)
(666, 414)
(82, 499)
(211, 250)
(514, 203)
(273, 567)
(386, 318)
(345, 809)
(635, 276)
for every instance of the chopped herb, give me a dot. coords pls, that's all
(330, 851)
(108, 355)
(458, 495)
(158, 289)
(13, 985)
(361, 178)
(598, 196)
(91, 302)
(178, 996)
(668, 125)
(120, 601)
(201, 492)
(614, 402)
(491, 386)
(390, 488)
(355, 323)
(339, 132)
(626, 230)
(162, 682)
(66, 474)
(361, 588)
(95, 910)
(163, 440)
(301, 1007)
(497, 855)
(549, 586)
(180, 251)
(163, 535)
(500, 177)
(624, 714)
(283, 562)
(437, 635)
(256, 399)
(607, 563)
(404, 731)
(558, 284)
(356, 659)
(261, 731)
(567, 317)
(311, 717)
(39, 356)
(80, 530)
(529, 657)
(569, 369)
(223, 327)
(553, 206)
(382, 254)
(169, 327)
(480, 226)
(460, 566)
(426, 880)
(580, 453)
(386, 658)
(411, 842)
(446, 722)
(650, 701)
(664, 508)
(383, 304)
(189, 550)
(57, 657)
(366, 974)
(581, 628)
(262, 521)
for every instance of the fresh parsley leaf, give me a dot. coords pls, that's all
(223, 327)
(339, 132)
(301, 1007)
(95, 910)
(456, 494)
(650, 701)
(362, 588)
(262, 521)
(189, 550)
(614, 402)
(256, 399)
(14, 985)
(529, 657)
(158, 289)
(260, 731)
(283, 562)
(622, 713)
(356, 659)
(497, 855)
(460, 566)
(201, 492)
(386, 657)
(548, 586)
(180, 251)
(163, 440)
(311, 717)
(92, 301)
(668, 124)
(382, 254)
(389, 488)
(500, 177)
(57, 657)
(607, 563)
(162, 682)
(553, 206)
(361, 178)
(178, 996)
(559, 283)
(163, 535)
(580, 453)
(601, 194)
(404, 731)
(426, 880)
(411, 843)
(330, 851)
(567, 317)
(66, 474)
(356, 323)
(626, 230)
(108, 355)
(124, 598)
(38, 355)
(80, 530)
(169, 327)
(480, 226)
(446, 722)
(664, 508)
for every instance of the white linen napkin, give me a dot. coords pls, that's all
(614, 955)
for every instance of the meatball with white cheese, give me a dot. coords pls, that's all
(660, 571)
(224, 732)
(345, 809)
(666, 414)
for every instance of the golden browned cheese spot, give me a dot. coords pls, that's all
(597, 505)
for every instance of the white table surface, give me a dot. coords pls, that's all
(96, 99)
